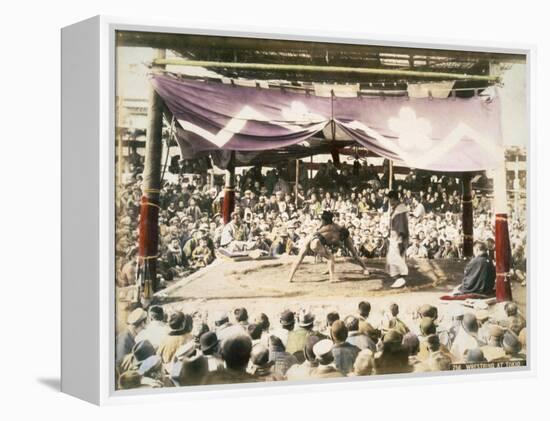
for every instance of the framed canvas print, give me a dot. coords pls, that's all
(256, 211)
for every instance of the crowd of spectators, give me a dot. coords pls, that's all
(161, 348)
(272, 217)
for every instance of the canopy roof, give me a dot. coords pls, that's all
(435, 134)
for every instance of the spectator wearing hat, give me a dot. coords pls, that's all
(393, 357)
(125, 341)
(325, 359)
(140, 352)
(344, 353)
(356, 337)
(131, 380)
(235, 352)
(303, 371)
(180, 333)
(261, 366)
(298, 337)
(156, 330)
(153, 372)
(287, 322)
(281, 359)
(466, 337)
(209, 347)
(190, 371)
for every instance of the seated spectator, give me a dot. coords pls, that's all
(356, 337)
(466, 338)
(364, 364)
(126, 340)
(156, 330)
(479, 274)
(344, 353)
(235, 352)
(303, 371)
(282, 360)
(180, 333)
(202, 255)
(325, 358)
(262, 367)
(395, 322)
(393, 357)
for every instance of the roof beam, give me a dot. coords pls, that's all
(176, 61)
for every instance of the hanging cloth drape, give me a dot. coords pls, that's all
(452, 134)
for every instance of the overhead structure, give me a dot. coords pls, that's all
(422, 108)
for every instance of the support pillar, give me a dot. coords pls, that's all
(467, 216)
(150, 205)
(229, 190)
(390, 175)
(503, 252)
(297, 182)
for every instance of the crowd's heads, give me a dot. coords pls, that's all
(235, 351)
(259, 355)
(287, 319)
(209, 343)
(137, 318)
(263, 321)
(332, 317)
(394, 309)
(308, 348)
(156, 313)
(306, 319)
(411, 343)
(143, 350)
(255, 331)
(241, 314)
(474, 355)
(428, 310)
(364, 363)
(192, 370)
(352, 323)
(338, 331)
(469, 323)
(323, 351)
(177, 322)
(364, 309)
(427, 326)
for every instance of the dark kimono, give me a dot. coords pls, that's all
(479, 276)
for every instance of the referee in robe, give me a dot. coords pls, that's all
(396, 265)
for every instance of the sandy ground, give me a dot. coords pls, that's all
(262, 287)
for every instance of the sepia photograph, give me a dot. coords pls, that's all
(291, 210)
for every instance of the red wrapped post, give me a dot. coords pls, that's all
(503, 257)
(149, 204)
(148, 244)
(228, 204)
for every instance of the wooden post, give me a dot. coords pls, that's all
(297, 182)
(150, 204)
(229, 191)
(503, 252)
(390, 175)
(467, 216)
